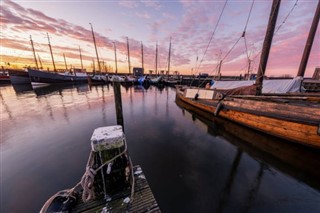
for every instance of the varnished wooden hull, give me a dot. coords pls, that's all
(293, 122)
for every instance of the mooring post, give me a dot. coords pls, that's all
(118, 102)
(109, 151)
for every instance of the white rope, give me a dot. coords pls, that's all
(87, 181)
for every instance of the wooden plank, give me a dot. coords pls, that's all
(143, 199)
(303, 133)
(281, 110)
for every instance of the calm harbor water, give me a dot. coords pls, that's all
(191, 164)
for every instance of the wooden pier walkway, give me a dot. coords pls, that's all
(143, 199)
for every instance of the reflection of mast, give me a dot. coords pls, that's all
(128, 55)
(115, 56)
(54, 65)
(253, 191)
(34, 53)
(95, 46)
(227, 188)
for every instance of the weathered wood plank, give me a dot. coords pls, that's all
(143, 199)
(303, 133)
(283, 110)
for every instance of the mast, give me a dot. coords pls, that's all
(93, 66)
(54, 65)
(40, 61)
(169, 56)
(307, 49)
(65, 62)
(81, 59)
(219, 70)
(267, 44)
(34, 53)
(156, 58)
(142, 56)
(95, 46)
(128, 56)
(115, 56)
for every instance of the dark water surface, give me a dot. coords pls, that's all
(191, 164)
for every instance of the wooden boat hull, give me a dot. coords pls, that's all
(38, 76)
(19, 77)
(295, 123)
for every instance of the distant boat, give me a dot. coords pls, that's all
(156, 80)
(19, 76)
(4, 78)
(42, 77)
(98, 79)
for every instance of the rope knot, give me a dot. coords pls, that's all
(87, 184)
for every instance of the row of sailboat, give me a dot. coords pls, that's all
(37, 75)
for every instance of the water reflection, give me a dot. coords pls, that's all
(296, 160)
(193, 163)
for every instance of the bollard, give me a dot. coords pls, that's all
(107, 143)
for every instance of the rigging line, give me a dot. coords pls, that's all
(245, 28)
(243, 34)
(231, 48)
(285, 19)
(205, 52)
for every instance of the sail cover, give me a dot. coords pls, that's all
(269, 86)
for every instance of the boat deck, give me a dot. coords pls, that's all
(143, 199)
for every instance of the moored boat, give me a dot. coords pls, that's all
(19, 76)
(38, 76)
(4, 78)
(294, 118)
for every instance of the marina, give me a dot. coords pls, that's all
(166, 120)
(191, 163)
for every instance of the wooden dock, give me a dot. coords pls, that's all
(143, 199)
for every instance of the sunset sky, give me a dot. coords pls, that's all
(190, 24)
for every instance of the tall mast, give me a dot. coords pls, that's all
(169, 56)
(81, 59)
(40, 61)
(142, 55)
(115, 56)
(307, 49)
(156, 58)
(128, 55)
(54, 65)
(95, 46)
(65, 62)
(34, 53)
(93, 66)
(267, 44)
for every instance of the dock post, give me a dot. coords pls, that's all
(109, 152)
(118, 102)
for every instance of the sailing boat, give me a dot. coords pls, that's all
(97, 78)
(294, 117)
(18, 77)
(39, 77)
